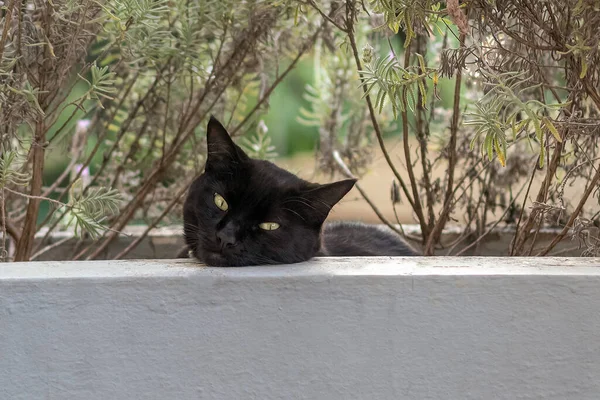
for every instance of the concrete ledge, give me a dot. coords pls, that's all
(333, 328)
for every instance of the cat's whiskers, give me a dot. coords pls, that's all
(292, 211)
(329, 206)
(191, 231)
(300, 200)
(262, 259)
(194, 228)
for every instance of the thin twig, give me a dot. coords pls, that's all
(327, 17)
(156, 221)
(346, 171)
(7, 22)
(514, 239)
(4, 251)
(307, 45)
(418, 207)
(32, 197)
(591, 187)
(25, 244)
(436, 232)
(422, 131)
(50, 247)
(491, 228)
(376, 128)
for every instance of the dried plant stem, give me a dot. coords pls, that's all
(209, 82)
(32, 197)
(50, 247)
(123, 129)
(522, 234)
(418, 208)
(422, 125)
(4, 251)
(131, 152)
(590, 188)
(436, 232)
(156, 221)
(7, 226)
(593, 93)
(307, 45)
(25, 243)
(491, 228)
(52, 188)
(346, 171)
(78, 107)
(376, 128)
(7, 23)
(514, 240)
(327, 17)
(165, 124)
(194, 116)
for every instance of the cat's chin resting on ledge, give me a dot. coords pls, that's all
(350, 239)
(243, 211)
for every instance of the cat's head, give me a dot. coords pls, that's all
(243, 211)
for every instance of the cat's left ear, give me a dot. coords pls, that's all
(324, 197)
(222, 151)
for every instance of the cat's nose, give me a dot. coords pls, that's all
(226, 239)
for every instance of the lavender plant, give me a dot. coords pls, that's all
(522, 74)
(123, 88)
(145, 74)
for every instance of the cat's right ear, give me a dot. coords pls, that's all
(320, 200)
(222, 152)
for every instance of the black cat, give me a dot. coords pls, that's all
(242, 211)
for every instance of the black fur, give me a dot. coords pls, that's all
(357, 239)
(258, 191)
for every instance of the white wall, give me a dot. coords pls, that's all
(436, 328)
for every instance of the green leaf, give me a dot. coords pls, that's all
(10, 164)
(87, 210)
(500, 151)
(584, 68)
(421, 63)
(489, 146)
(550, 126)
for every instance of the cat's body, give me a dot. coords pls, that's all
(355, 239)
(243, 211)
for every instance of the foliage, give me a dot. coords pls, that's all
(399, 85)
(524, 74)
(502, 110)
(86, 211)
(122, 89)
(409, 15)
(9, 169)
(152, 72)
(259, 146)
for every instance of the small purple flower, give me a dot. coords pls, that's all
(83, 125)
(85, 174)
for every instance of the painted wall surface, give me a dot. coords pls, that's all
(404, 328)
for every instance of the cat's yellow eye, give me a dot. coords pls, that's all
(269, 226)
(220, 202)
